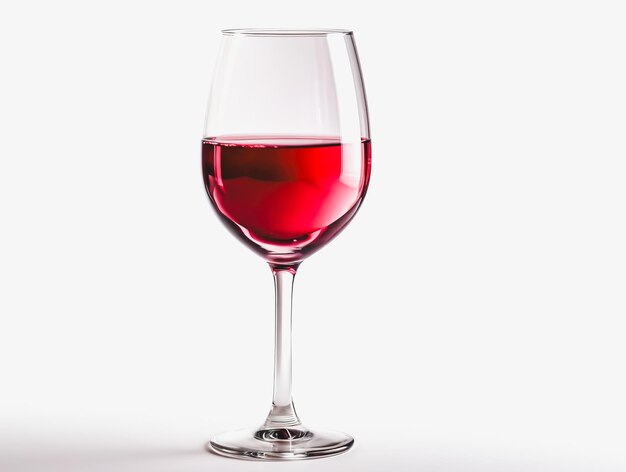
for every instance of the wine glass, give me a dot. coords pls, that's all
(286, 164)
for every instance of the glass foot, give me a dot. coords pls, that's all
(291, 443)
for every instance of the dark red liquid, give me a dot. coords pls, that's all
(285, 197)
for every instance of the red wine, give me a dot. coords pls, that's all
(285, 197)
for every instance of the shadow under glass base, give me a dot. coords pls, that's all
(291, 443)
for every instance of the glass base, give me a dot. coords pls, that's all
(291, 443)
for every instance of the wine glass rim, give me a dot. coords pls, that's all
(284, 32)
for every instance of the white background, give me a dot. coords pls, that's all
(471, 318)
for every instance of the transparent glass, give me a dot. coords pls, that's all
(286, 160)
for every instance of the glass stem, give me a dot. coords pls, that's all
(283, 413)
